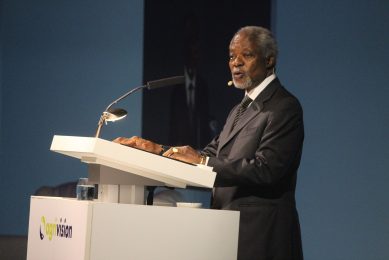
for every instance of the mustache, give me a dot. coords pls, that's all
(238, 71)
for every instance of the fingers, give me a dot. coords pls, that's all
(173, 151)
(182, 153)
(127, 141)
(168, 153)
(119, 140)
(116, 140)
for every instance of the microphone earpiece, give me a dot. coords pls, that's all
(230, 83)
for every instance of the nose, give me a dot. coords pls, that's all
(237, 61)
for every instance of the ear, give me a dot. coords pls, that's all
(270, 62)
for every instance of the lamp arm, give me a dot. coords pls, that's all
(103, 117)
(150, 85)
(124, 96)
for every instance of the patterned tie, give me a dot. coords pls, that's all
(242, 107)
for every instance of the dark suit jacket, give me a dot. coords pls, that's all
(256, 167)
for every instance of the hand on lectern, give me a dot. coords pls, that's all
(140, 143)
(185, 154)
(182, 153)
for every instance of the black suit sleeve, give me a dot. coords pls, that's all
(211, 149)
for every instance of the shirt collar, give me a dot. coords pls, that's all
(253, 93)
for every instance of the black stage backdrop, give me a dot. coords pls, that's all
(191, 38)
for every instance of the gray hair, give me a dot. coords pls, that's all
(263, 40)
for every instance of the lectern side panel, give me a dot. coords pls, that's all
(179, 171)
(164, 233)
(101, 174)
(58, 229)
(134, 174)
(175, 174)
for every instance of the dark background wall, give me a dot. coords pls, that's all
(192, 34)
(173, 27)
(65, 61)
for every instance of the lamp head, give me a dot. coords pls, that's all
(114, 114)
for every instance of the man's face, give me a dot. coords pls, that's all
(248, 68)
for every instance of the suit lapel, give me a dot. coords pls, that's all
(224, 135)
(251, 113)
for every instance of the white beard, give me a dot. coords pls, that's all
(248, 83)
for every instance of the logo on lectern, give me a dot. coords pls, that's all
(56, 229)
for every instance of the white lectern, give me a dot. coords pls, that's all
(122, 172)
(114, 227)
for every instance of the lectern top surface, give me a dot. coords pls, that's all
(134, 161)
